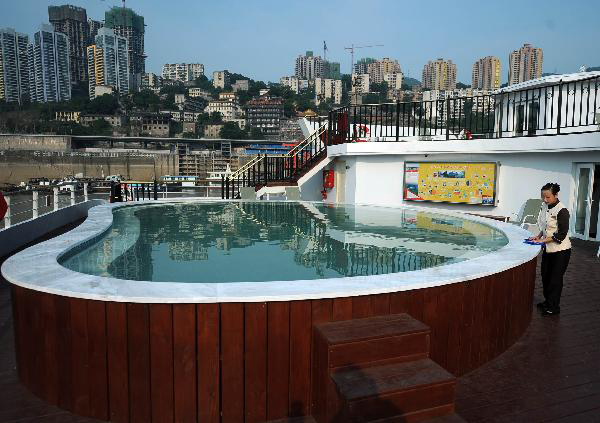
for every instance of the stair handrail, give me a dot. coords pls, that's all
(308, 140)
(245, 167)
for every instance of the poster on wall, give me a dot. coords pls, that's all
(467, 183)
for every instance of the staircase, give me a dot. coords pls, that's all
(279, 171)
(378, 370)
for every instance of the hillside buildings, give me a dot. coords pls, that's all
(360, 83)
(183, 72)
(220, 79)
(328, 89)
(14, 74)
(93, 27)
(128, 24)
(294, 83)
(394, 80)
(478, 102)
(48, 66)
(525, 64)
(241, 85)
(72, 21)
(265, 113)
(439, 74)
(310, 67)
(362, 65)
(108, 62)
(486, 74)
(379, 68)
(147, 81)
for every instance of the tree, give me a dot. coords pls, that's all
(216, 118)
(146, 100)
(175, 128)
(100, 127)
(461, 85)
(106, 104)
(231, 131)
(371, 98)
(255, 133)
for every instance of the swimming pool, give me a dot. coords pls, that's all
(115, 344)
(276, 241)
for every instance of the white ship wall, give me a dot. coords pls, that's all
(375, 171)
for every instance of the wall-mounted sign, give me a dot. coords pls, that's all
(468, 183)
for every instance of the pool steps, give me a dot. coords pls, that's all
(378, 369)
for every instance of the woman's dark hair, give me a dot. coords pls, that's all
(555, 188)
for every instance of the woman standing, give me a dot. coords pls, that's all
(553, 222)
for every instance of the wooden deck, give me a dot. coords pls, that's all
(550, 374)
(553, 372)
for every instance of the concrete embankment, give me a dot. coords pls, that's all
(35, 156)
(20, 165)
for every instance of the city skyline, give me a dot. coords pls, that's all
(270, 52)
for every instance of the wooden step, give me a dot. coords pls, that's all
(368, 341)
(415, 390)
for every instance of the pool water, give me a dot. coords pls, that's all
(271, 241)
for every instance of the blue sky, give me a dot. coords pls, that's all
(261, 38)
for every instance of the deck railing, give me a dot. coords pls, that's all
(25, 205)
(561, 108)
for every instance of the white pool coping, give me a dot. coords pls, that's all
(37, 268)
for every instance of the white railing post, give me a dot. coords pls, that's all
(85, 191)
(35, 204)
(7, 215)
(55, 198)
(72, 195)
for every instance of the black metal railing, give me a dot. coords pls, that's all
(263, 170)
(564, 107)
(554, 109)
(133, 191)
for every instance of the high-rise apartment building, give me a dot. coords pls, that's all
(93, 26)
(308, 66)
(126, 23)
(486, 74)
(295, 84)
(48, 63)
(362, 65)
(72, 21)
(331, 70)
(183, 72)
(108, 62)
(220, 79)
(146, 81)
(360, 83)
(14, 72)
(439, 74)
(525, 64)
(265, 113)
(394, 80)
(328, 89)
(379, 68)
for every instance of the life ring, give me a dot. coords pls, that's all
(362, 131)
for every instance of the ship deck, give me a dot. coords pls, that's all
(550, 374)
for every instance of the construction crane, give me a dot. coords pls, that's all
(356, 47)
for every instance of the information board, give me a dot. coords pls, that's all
(468, 183)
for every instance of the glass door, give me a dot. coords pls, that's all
(595, 208)
(583, 200)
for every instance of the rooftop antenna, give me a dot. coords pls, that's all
(356, 47)
(324, 50)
